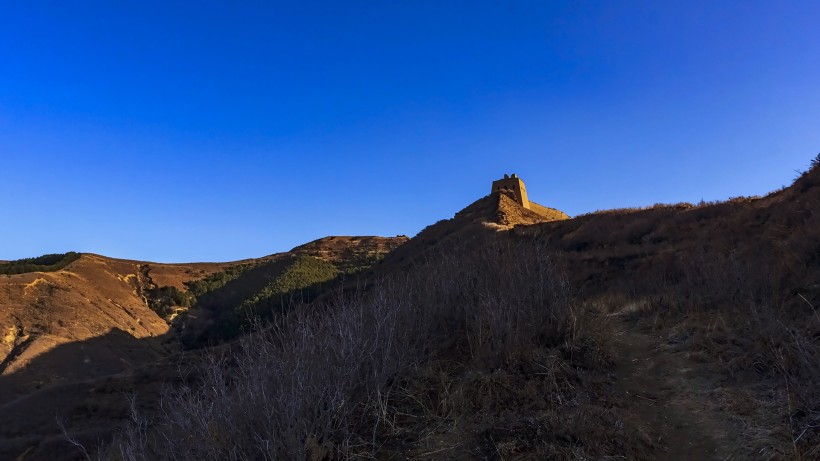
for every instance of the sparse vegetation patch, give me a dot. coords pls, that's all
(218, 279)
(167, 299)
(45, 263)
(298, 279)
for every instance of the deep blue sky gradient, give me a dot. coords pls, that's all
(191, 131)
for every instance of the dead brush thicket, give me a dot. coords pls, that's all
(349, 378)
(734, 286)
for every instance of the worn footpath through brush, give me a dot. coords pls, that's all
(668, 395)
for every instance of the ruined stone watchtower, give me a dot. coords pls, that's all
(514, 185)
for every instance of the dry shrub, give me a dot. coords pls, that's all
(322, 381)
(744, 311)
(538, 403)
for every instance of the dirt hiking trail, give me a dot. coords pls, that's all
(668, 395)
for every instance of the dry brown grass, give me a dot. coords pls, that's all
(475, 352)
(734, 286)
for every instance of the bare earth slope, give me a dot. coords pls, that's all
(91, 298)
(75, 325)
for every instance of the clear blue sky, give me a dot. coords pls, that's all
(190, 131)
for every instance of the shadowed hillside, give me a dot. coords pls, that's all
(670, 332)
(86, 299)
(674, 332)
(81, 383)
(222, 310)
(96, 320)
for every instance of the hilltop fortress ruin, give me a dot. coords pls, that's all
(513, 184)
(514, 189)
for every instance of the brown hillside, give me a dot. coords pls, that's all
(97, 294)
(705, 318)
(717, 304)
(76, 340)
(90, 298)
